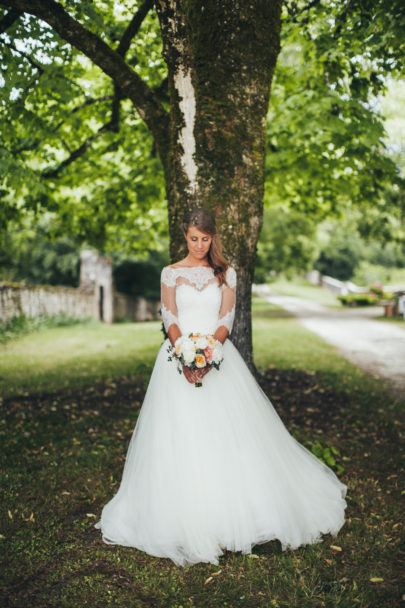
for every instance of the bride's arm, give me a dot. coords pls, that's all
(221, 334)
(173, 333)
(169, 314)
(168, 304)
(227, 310)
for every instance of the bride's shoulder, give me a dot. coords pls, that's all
(230, 275)
(229, 270)
(168, 276)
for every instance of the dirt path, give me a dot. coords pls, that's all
(375, 346)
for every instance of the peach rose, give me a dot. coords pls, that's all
(200, 361)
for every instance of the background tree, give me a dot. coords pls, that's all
(28, 255)
(287, 243)
(202, 112)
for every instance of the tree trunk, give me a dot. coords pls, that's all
(221, 58)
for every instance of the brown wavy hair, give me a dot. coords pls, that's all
(205, 222)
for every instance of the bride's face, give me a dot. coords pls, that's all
(198, 242)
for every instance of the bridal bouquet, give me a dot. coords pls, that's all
(196, 351)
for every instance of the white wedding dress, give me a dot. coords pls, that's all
(214, 468)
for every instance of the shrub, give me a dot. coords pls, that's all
(377, 290)
(358, 299)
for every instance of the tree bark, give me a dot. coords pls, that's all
(221, 58)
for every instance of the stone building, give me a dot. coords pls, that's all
(96, 278)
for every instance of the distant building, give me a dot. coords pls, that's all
(96, 277)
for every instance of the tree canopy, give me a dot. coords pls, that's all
(73, 145)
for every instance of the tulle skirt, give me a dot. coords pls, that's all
(214, 468)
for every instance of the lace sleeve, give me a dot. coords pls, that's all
(168, 297)
(227, 309)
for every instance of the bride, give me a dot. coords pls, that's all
(213, 468)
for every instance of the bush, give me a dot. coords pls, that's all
(358, 299)
(378, 290)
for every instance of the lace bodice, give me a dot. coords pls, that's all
(192, 299)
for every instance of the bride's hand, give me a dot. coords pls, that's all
(191, 374)
(204, 370)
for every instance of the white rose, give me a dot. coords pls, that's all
(202, 343)
(217, 354)
(189, 355)
(188, 344)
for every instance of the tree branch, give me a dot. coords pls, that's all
(9, 19)
(129, 82)
(122, 50)
(133, 27)
(37, 142)
(115, 109)
(88, 102)
(162, 90)
(51, 173)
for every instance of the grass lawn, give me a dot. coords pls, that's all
(67, 357)
(300, 287)
(71, 397)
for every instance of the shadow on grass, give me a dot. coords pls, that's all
(62, 459)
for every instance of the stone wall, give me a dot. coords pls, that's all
(95, 297)
(127, 308)
(44, 300)
(335, 286)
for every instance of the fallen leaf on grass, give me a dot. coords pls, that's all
(376, 579)
(10, 514)
(208, 580)
(336, 548)
(252, 556)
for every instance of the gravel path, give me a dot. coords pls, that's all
(375, 346)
